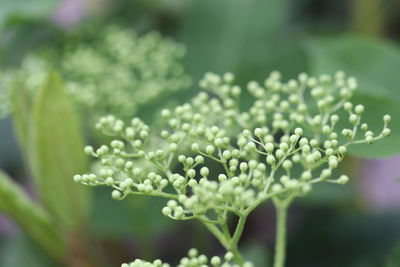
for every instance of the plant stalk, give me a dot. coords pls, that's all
(280, 245)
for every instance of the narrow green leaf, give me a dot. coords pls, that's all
(21, 106)
(31, 218)
(57, 150)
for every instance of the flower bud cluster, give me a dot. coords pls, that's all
(287, 146)
(213, 158)
(193, 259)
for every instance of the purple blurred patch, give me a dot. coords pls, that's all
(7, 227)
(70, 13)
(380, 183)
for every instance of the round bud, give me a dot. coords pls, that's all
(204, 171)
(298, 131)
(229, 256)
(165, 113)
(199, 159)
(195, 147)
(364, 127)
(258, 132)
(342, 149)
(334, 118)
(386, 132)
(333, 163)
(246, 133)
(387, 118)
(276, 188)
(77, 178)
(270, 160)
(348, 106)
(210, 149)
(166, 211)
(116, 195)
(89, 150)
(216, 261)
(306, 175)
(191, 173)
(353, 118)
(359, 109)
(369, 139)
(343, 179)
(287, 164)
(284, 146)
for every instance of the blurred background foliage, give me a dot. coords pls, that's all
(41, 141)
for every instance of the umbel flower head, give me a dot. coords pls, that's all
(294, 135)
(118, 73)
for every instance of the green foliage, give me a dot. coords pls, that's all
(36, 222)
(375, 64)
(56, 145)
(260, 150)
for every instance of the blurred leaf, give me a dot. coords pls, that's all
(57, 154)
(245, 37)
(19, 251)
(31, 218)
(394, 258)
(21, 104)
(375, 64)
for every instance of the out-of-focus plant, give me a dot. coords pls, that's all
(119, 73)
(292, 137)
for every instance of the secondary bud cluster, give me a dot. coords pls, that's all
(119, 71)
(193, 259)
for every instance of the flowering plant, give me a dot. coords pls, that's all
(293, 136)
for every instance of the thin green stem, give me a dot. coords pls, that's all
(280, 245)
(235, 240)
(239, 230)
(237, 256)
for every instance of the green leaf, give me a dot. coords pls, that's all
(57, 154)
(375, 64)
(37, 223)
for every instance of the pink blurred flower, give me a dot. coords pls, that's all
(70, 13)
(380, 183)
